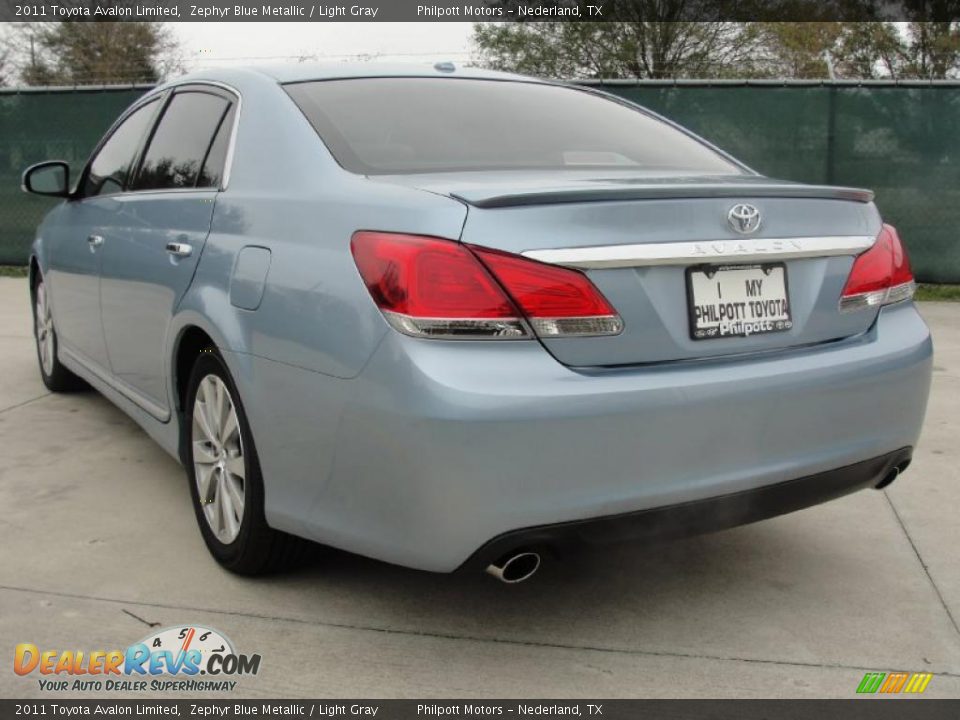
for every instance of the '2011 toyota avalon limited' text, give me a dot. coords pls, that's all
(450, 318)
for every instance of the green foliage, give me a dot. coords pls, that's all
(14, 271)
(617, 49)
(101, 53)
(651, 48)
(950, 293)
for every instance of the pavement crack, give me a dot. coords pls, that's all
(926, 569)
(462, 638)
(25, 402)
(137, 617)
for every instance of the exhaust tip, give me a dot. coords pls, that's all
(515, 567)
(889, 477)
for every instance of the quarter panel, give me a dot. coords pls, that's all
(315, 312)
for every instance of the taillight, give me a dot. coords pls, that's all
(557, 301)
(880, 276)
(429, 287)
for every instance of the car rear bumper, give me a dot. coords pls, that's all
(699, 516)
(442, 447)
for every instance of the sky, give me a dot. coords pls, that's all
(212, 44)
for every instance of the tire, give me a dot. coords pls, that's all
(55, 376)
(220, 452)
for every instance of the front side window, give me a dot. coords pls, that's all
(112, 165)
(181, 143)
(407, 125)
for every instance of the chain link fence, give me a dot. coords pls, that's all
(901, 140)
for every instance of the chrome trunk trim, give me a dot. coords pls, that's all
(711, 251)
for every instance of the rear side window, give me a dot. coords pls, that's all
(408, 125)
(181, 142)
(112, 165)
(211, 175)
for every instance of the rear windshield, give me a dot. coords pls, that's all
(408, 125)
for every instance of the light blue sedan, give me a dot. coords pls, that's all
(452, 319)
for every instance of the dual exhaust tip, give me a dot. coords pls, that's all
(515, 567)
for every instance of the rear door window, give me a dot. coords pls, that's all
(181, 143)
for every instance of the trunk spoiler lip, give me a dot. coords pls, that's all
(488, 198)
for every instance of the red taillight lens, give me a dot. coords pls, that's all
(427, 277)
(880, 276)
(431, 287)
(556, 300)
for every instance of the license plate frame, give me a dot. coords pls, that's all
(749, 326)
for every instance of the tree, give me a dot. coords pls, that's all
(675, 49)
(862, 50)
(5, 60)
(931, 50)
(799, 49)
(868, 50)
(97, 53)
(641, 49)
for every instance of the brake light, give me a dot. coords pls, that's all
(430, 287)
(879, 276)
(557, 301)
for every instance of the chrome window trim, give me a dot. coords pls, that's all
(710, 251)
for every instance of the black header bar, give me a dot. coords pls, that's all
(477, 11)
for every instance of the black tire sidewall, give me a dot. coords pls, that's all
(237, 553)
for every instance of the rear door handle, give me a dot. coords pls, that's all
(179, 249)
(95, 241)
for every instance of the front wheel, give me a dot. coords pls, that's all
(224, 471)
(54, 375)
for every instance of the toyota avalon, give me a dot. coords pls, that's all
(455, 319)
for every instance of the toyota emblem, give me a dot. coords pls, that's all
(743, 218)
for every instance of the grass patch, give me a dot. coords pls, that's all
(938, 292)
(13, 271)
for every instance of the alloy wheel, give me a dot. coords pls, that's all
(45, 337)
(218, 460)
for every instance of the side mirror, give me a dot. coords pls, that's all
(47, 178)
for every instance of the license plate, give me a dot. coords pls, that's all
(737, 300)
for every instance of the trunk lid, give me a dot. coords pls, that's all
(636, 236)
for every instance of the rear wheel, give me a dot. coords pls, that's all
(225, 479)
(55, 376)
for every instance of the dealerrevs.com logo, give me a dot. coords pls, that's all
(187, 658)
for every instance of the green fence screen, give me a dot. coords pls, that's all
(903, 141)
(46, 125)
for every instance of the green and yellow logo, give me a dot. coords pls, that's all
(895, 682)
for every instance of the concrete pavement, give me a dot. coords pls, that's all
(98, 546)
